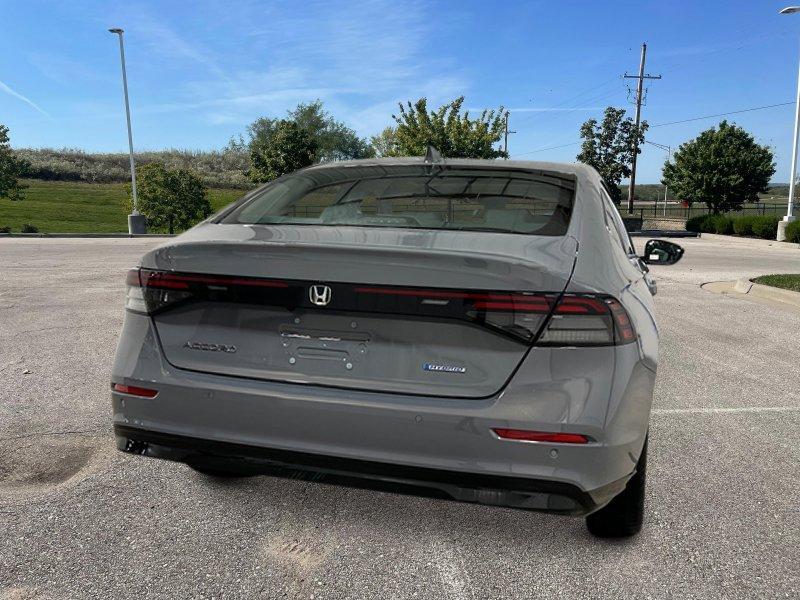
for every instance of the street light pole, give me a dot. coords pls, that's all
(666, 187)
(793, 176)
(136, 222)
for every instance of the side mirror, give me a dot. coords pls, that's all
(661, 252)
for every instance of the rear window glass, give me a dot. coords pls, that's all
(416, 197)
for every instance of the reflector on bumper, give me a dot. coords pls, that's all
(134, 390)
(523, 435)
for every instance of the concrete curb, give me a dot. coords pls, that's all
(745, 286)
(748, 241)
(85, 235)
(664, 233)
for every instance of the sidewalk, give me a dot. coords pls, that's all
(85, 235)
(746, 241)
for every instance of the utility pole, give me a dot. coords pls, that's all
(505, 137)
(639, 85)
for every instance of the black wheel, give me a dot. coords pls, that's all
(624, 515)
(220, 472)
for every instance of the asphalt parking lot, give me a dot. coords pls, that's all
(80, 520)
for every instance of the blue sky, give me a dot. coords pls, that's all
(200, 71)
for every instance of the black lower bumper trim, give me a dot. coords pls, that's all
(515, 492)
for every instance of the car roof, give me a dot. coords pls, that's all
(577, 170)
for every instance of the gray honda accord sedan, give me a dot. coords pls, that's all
(468, 329)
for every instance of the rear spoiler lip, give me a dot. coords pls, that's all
(446, 259)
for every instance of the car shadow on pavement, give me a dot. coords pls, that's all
(331, 508)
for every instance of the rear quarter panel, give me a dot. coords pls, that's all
(603, 266)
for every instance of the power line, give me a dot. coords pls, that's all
(544, 149)
(733, 112)
(561, 114)
(598, 98)
(577, 99)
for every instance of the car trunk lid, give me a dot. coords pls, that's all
(414, 312)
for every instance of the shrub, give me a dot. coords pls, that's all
(793, 232)
(722, 225)
(744, 225)
(171, 199)
(700, 224)
(5, 229)
(766, 227)
(28, 228)
(693, 223)
(763, 226)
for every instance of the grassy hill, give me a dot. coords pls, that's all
(75, 207)
(217, 168)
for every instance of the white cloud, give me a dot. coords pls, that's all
(360, 58)
(5, 88)
(162, 39)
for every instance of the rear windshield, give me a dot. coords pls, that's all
(415, 197)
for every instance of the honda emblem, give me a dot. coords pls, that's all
(320, 295)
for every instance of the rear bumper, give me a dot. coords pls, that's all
(603, 393)
(514, 492)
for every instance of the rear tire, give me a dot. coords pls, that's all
(624, 515)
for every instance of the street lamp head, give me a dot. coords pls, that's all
(790, 10)
(116, 30)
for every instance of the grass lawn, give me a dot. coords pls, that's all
(787, 282)
(75, 207)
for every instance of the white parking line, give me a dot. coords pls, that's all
(724, 409)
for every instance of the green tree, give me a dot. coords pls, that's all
(286, 148)
(723, 167)
(453, 134)
(608, 147)
(385, 143)
(336, 141)
(333, 139)
(171, 199)
(11, 169)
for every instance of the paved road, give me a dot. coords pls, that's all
(79, 520)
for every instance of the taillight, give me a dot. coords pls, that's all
(134, 294)
(151, 291)
(575, 319)
(588, 320)
(520, 315)
(133, 390)
(524, 435)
